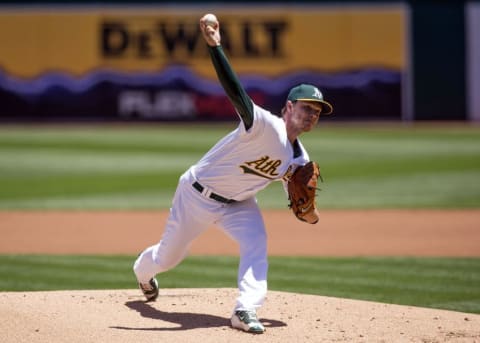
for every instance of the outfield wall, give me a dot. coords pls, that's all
(376, 60)
(151, 63)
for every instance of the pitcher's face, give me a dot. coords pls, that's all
(306, 114)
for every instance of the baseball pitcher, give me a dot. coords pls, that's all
(221, 187)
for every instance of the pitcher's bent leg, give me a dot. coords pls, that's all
(190, 215)
(165, 255)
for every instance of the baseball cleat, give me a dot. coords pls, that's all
(247, 321)
(150, 289)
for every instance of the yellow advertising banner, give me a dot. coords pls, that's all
(151, 63)
(267, 40)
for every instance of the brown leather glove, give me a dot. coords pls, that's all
(302, 188)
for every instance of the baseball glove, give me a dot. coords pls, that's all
(302, 188)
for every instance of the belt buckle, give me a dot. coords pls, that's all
(206, 192)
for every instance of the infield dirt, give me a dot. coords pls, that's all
(339, 233)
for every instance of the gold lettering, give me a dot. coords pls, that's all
(272, 167)
(265, 166)
(262, 167)
(258, 163)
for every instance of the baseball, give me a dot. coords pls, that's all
(210, 20)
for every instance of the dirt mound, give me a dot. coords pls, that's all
(202, 315)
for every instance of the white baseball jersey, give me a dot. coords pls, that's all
(245, 162)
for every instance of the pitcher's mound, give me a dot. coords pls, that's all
(202, 315)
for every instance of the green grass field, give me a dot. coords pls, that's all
(430, 282)
(137, 167)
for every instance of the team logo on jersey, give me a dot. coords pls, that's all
(264, 167)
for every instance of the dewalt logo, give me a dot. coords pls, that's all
(179, 38)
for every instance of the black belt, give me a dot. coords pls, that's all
(212, 195)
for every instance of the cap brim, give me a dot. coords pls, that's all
(327, 108)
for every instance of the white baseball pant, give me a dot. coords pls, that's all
(191, 214)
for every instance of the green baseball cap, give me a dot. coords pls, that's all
(305, 92)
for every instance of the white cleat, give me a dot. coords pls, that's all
(247, 321)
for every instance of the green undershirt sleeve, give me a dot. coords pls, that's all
(231, 84)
